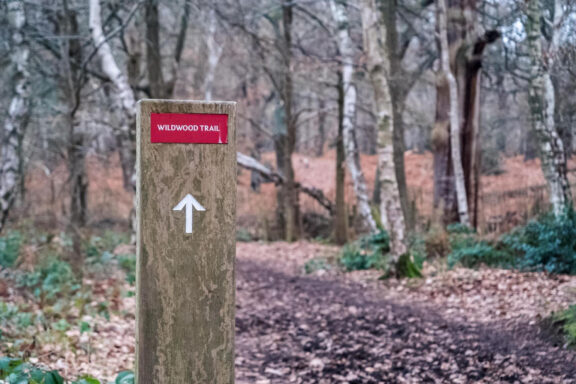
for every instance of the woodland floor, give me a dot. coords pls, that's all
(328, 328)
(459, 326)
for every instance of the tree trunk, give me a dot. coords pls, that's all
(158, 89)
(461, 197)
(346, 49)
(378, 68)
(465, 50)
(279, 149)
(399, 89)
(321, 137)
(341, 216)
(11, 168)
(78, 177)
(214, 52)
(71, 51)
(125, 137)
(289, 194)
(541, 98)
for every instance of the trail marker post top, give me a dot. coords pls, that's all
(186, 204)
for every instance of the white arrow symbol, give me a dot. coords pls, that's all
(190, 203)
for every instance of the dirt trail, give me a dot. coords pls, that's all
(310, 329)
(459, 326)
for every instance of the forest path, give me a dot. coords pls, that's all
(322, 329)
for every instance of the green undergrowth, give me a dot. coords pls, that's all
(547, 244)
(50, 299)
(318, 264)
(16, 371)
(369, 252)
(563, 324)
(372, 252)
(10, 245)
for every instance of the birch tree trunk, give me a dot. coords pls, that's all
(18, 112)
(542, 103)
(461, 196)
(346, 49)
(378, 65)
(125, 135)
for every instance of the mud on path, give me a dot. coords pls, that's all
(322, 329)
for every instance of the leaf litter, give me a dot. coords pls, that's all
(457, 326)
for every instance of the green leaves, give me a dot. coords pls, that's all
(125, 377)
(38, 376)
(546, 244)
(128, 264)
(10, 248)
(15, 371)
(87, 380)
(366, 253)
(8, 366)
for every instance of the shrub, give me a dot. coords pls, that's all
(469, 251)
(478, 252)
(548, 244)
(366, 253)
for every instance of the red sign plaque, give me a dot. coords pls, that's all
(197, 128)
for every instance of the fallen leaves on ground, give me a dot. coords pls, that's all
(456, 326)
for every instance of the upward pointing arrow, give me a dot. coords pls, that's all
(190, 203)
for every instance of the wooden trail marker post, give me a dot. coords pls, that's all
(186, 214)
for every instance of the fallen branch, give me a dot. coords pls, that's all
(254, 165)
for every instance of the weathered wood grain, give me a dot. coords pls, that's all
(185, 282)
